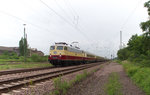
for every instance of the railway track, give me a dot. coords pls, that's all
(12, 84)
(5, 72)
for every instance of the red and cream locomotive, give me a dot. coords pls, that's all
(63, 54)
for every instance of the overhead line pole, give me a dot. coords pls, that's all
(120, 39)
(24, 44)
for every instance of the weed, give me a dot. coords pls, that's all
(139, 75)
(113, 87)
(31, 82)
(61, 86)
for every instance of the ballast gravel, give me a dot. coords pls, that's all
(25, 74)
(46, 87)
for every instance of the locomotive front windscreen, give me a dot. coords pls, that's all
(52, 47)
(59, 47)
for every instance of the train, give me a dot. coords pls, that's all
(63, 54)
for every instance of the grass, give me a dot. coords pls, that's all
(61, 86)
(113, 87)
(139, 75)
(33, 58)
(24, 65)
(117, 61)
(6, 60)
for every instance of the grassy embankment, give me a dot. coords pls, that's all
(113, 87)
(24, 65)
(139, 74)
(13, 61)
(33, 58)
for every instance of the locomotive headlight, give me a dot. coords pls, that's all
(60, 55)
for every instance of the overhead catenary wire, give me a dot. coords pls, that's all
(64, 19)
(130, 15)
(50, 14)
(27, 22)
(72, 10)
(56, 12)
(76, 17)
(62, 9)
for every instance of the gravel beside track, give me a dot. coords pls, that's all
(44, 88)
(95, 84)
(37, 79)
(30, 72)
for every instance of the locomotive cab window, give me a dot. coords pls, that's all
(59, 47)
(65, 48)
(52, 47)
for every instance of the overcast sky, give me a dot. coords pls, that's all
(95, 24)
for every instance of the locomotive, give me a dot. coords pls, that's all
(63, 54)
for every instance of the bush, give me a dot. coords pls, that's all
(123, 54)
(21, 58)
(37, 58)
(131, 69)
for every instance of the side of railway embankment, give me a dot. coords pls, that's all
(12, 66)
(138, 73)
(14, 61)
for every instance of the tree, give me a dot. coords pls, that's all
(23, 47)
(145, 26)
(123, 54)
(135, 44)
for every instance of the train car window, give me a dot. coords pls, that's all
(59, 47)
(52, 47)
(65, 48)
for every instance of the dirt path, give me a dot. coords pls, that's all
(94, 85)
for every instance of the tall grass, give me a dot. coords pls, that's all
(140, 75)
(61, 86)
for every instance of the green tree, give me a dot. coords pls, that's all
(123, 54)
(135, 44)
(138, 49)
(145, 26)
(23, 47)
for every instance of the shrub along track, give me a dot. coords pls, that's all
(11, 84)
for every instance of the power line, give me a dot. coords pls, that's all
(128, 18)
(63, 18)
(18, 18)
(50, 13)
(69, 5)
(76, 17)
(56, 12)
(74, 13)
(62, 9)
